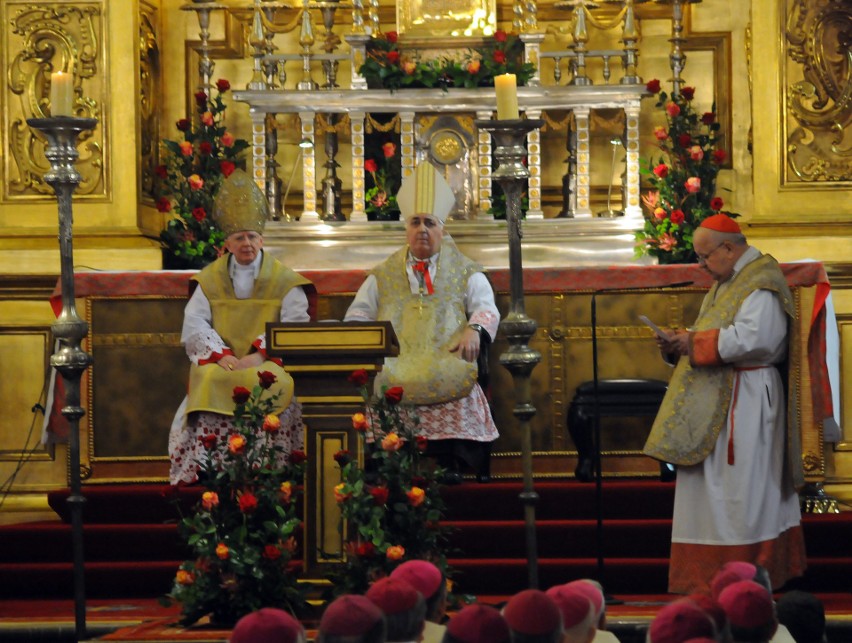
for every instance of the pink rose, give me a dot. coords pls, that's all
(672, 109)
(207, 119)
(692, 184)
(696, 153)
(227, 139)
(661, 133)
(195, 182)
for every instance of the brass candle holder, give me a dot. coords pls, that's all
(70, 360)
(520, 359)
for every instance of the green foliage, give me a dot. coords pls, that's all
(682, 178)
(381, 204)
(190, 176)
(243, 531)
(392, 504)
(387, 68)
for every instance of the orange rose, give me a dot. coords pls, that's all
(388, 149)
(271, 423)
(207, 119)
(473, 67)
(359, 422)
(409, 67)
(209, 499)
(228, 139)
(186, 148)
(222, 551)
(184, 577)
(395, 552)
(416, 496)
(195, 182)
(339, 494)
(391, 442)
(236, 444)
(285, 492)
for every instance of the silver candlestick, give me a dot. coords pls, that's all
(70, 360)
(520, 359)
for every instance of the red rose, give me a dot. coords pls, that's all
(227, 168)
(393, 57)
(688, 93)
(716, 203)
(653, 86)
(661, 171)
(248, 502)
(223, 85)
(266, 379)
(708, 118)
(392, 36)
(209, 440)
(241, 395)
(499, 57)
(342, 457)
(500, 35)
(418, 481)
(677, 216)
(201, 97)
(422, 443)
(161, 171)
(199, 214)
(297, 456)
(370, 165)
(719, 156)
(380, 495)
(684, 140)
(394, 394)
(359, 377)
(183, 125)
(205, 148)
(163, 204)
(365, 550)
(271, 552)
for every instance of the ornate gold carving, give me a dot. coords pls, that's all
(446, 17)
(40, 40)
(819, 91)
(150, 81)
(446, 147)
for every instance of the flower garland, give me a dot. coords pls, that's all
(683, 178)
(392, 504)
(191, 174)
(386, 67)
(243, 531)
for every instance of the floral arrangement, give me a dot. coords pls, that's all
(682, 179)
(386, 67)
(392, 504)
(243, 530)
(191, 174)
(381, 197)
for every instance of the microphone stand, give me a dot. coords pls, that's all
(597, 423)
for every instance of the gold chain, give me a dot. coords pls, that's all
(374, 126)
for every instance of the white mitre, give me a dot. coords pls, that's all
(425, 192)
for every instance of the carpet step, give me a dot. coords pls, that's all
(562, 538)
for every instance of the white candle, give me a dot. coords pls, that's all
(61, 94)
(507, 97)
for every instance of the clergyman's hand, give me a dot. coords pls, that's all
(676, 343)
(252, 360)
(228, 362)
(468, 345)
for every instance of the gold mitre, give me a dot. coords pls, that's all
(239, 205)
(425, 192)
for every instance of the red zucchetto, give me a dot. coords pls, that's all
(721, 223)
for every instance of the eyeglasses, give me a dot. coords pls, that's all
(703, 258)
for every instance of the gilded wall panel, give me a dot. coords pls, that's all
(39, 39)
(817, 89)
(150, 84)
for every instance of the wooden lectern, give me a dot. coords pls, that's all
(320, 356)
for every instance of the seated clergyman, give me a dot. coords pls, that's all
(439, 303)
(224, 331)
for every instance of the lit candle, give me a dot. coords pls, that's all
(507, 97)
(61, 94)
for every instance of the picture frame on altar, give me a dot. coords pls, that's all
(442, 18)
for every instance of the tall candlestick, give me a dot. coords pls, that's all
(507, 97)
(61, 94)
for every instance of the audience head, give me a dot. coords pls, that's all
(427, 579)
(680, 621)
(729, 573)
(404, 608)
(352, 619)
(477, 624)
(712, 608)
(594, 592)
(533, 617)
(803, 614)
(750, 611)
(268, 625)
(578, 614)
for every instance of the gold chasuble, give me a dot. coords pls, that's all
(239, 322)
(426, 326)
(696, 404)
